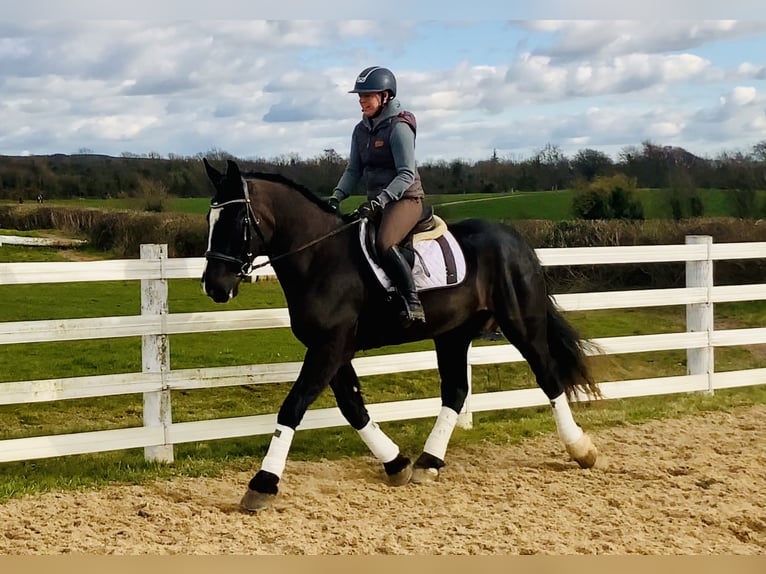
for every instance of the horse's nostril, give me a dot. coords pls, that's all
(220, 296)
(217, 295)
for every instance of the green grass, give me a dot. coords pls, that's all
(175, 204)
(26, 253)
(22, 254)
(522, 205)
(552, 205)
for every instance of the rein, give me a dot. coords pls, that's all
(251, 222)
(305, 246)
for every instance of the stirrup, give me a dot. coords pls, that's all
(413, 312)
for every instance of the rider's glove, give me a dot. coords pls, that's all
(334, 203)
(369, 209)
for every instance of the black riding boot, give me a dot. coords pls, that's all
(399, 272)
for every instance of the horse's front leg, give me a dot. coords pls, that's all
(348, 394)
(319, 367)
(452, 358)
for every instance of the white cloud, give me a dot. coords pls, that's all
(357, 28)
(609, 38)
(114, 127)
(742, 95)
(256, 87)
(664, 130)
(535, 78)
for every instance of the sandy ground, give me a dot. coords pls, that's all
(696, 485)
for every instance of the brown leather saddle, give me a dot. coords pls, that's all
(426, 223)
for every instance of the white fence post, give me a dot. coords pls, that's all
(155, 353)
(465, 418)
(699, 316)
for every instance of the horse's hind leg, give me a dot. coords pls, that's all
(577, 443)
(532, 335)
(452, 358)
(348, 395)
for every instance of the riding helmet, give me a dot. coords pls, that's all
(373, 80)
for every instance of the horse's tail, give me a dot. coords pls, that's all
(568, 350)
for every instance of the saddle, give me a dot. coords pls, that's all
(428, 224)
(430, 250)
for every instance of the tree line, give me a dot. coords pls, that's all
(134, 175)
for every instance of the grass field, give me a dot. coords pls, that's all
(552, 205)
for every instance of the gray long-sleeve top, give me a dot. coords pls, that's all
(402, 145)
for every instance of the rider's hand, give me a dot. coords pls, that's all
(369, 208)
(334, 203)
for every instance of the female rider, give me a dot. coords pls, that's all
(383, 150)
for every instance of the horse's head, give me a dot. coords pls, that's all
(233, 236)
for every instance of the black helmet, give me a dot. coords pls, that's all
(375, 79)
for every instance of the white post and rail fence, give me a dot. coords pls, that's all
(156, 381)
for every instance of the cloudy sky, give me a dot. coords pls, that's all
(269, 88)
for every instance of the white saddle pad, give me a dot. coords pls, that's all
(430, 270)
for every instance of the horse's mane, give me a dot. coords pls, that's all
(279, 178)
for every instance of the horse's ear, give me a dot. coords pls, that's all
(232, 168)
(212, 173)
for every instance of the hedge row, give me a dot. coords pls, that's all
(118, 232)
(121, 232)
(606, 233)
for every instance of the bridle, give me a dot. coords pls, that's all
(250, 225)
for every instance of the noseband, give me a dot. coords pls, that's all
(249, 224)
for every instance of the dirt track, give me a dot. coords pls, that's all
(691, 486)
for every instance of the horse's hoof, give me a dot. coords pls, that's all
(425, 475)
(254, 501)
(402, 477)
(583, 452)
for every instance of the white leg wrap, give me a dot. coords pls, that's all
(382, 447)
(276, 456)
(436, 444)
(568, 430)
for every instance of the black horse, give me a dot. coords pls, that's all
(337, 307)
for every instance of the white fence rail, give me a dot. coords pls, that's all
(156, 381)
